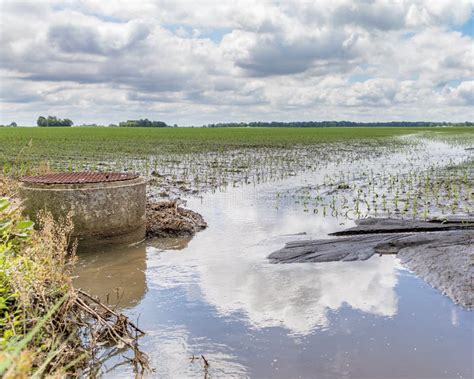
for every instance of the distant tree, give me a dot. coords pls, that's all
(41, 121)
(67, 122)
(53, 121)
(13, 124)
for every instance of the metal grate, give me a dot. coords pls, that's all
(79, 177)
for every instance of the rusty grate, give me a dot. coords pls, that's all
(79, 177)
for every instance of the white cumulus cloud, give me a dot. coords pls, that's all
(198, 62)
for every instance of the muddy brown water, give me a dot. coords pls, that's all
(217, 295)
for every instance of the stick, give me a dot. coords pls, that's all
(108, 309)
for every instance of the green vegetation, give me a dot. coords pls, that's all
(30, 287)
(47, 327)
(331, 124)
(142, 124)
(11, 125)
(53, 121)
(419, 183)
(74, 142)
(196, 159)
(419, 194)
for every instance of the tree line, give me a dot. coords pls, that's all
(53, 121)
(10, 125)
(143, 123)
(329, 124)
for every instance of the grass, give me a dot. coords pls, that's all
(198, 159)
(47, 327)
(29, 287)
(421, 183)
(73, 142)
(418, 194)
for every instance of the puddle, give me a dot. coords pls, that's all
(216, 295)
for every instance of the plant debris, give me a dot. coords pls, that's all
(169, 219)
(48, 328)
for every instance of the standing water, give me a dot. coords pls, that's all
(217, 296)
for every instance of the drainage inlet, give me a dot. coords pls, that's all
(106, 208)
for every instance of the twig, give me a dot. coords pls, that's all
(81, 292)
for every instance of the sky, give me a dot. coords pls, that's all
(199, 62)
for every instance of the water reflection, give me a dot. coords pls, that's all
(227, 263)
(175, 243)
(115, 275)
(178, 347)
(298, 297)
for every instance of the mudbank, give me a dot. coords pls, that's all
(388, 225)
(168, 219)
(442, 254)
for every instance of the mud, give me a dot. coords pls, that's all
(381, 225)
(444, 258)
(445, 262)
(168, 219)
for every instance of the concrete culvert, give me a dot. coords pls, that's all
(107, 208)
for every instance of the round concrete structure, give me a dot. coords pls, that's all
(107, 208)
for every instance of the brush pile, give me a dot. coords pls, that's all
(168, 219)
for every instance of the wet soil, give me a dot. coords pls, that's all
(441, 253)
(373, 225)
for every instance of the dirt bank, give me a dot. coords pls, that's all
(168, 219)
(446, 264)
(443, 258)
(387, 225)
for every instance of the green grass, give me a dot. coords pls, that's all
(199, 157)
(51, 143)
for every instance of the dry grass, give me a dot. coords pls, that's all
(8, 187)
(48, 328)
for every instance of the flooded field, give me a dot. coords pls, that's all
(213, 305)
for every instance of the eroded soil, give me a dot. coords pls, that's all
(441, 253)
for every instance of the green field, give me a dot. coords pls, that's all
(202, 158)
(52, 143)
(362, 172)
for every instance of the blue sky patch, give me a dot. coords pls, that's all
(214, 34)
(468, 28)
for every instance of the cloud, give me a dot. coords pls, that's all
(275, 54)
(463, 94)
(367, 14)
(437, 13)
(95, 39)
(208, 62)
